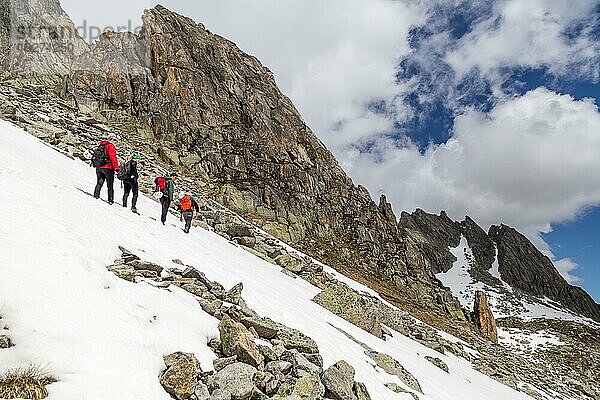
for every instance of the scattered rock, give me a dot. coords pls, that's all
(265, 328)
(397, 389)
(347, 303)
(181, 376)
(393, 367)
(361, 391)
(237, 379)
(234, 294)
(437, 362)
(294, 339)
(5, 342)
(339, 381)
(220, 363)
(237, 341)
(309, 387)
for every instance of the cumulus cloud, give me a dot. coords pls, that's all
(534, 33)
(566, 266)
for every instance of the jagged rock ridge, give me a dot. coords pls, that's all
(520, 263)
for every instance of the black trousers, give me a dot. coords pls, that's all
(165, 202)
(130, 185)
(187, 216)
(108, 175)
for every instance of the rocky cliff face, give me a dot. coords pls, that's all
(217, 113)
(520, 264)
(524, 267)
(37, 38)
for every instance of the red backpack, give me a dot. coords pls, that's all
(161, 185)
(186, 203)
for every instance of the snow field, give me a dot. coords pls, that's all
(104, 338)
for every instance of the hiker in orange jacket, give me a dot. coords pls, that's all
(187, 206)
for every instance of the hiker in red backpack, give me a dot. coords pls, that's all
(187, 205)
(165, 190)
(104, 158)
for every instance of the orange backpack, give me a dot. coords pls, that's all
(186, 203)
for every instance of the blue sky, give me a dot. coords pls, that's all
(486, 108)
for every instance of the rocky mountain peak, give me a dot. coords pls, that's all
(523, 266)
(37, 38)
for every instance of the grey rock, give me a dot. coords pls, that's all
(220, 363)
(180, 377)
(393, 367)
(294, 339)
(219, 394)
(438, 363)
(237, 379)
(300, 364)
(265, 327)
(5, 342)
(339, 381)
(201, 392)
(278, 367)
(397, 389)
(309, 387)
(236, 340)
(352, 306)
(234, 294)
(361, 391)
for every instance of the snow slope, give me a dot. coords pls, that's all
(104, 338)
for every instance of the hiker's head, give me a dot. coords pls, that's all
(173, 176)
(135, 157)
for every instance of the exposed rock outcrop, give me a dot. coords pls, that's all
(524, 267)
(181, 375)
(37, 39)
(484, 318)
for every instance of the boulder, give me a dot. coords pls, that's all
(181, 376)
(347, 303)
(234, 294)
(393, 367)
(220, 363)
(237, 379)
(139, 265)
(309, 387)
(237, 341)
(438, 363)
(201, 392)
(294, 339)
(300, 364)
(5, 342)
(265, 328)
(291, 262)
(484, 318)
(219, 394)
(361, 391)
(339, 381)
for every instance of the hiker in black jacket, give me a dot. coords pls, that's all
(129, 175)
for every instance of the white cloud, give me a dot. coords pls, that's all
(529, 162)
(531, 34)
(566, 266)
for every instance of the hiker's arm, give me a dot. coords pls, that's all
(195, 204)
(134, 171)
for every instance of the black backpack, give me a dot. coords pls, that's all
(124, 171)
(99, 156)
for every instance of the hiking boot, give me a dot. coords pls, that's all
(133, 209)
